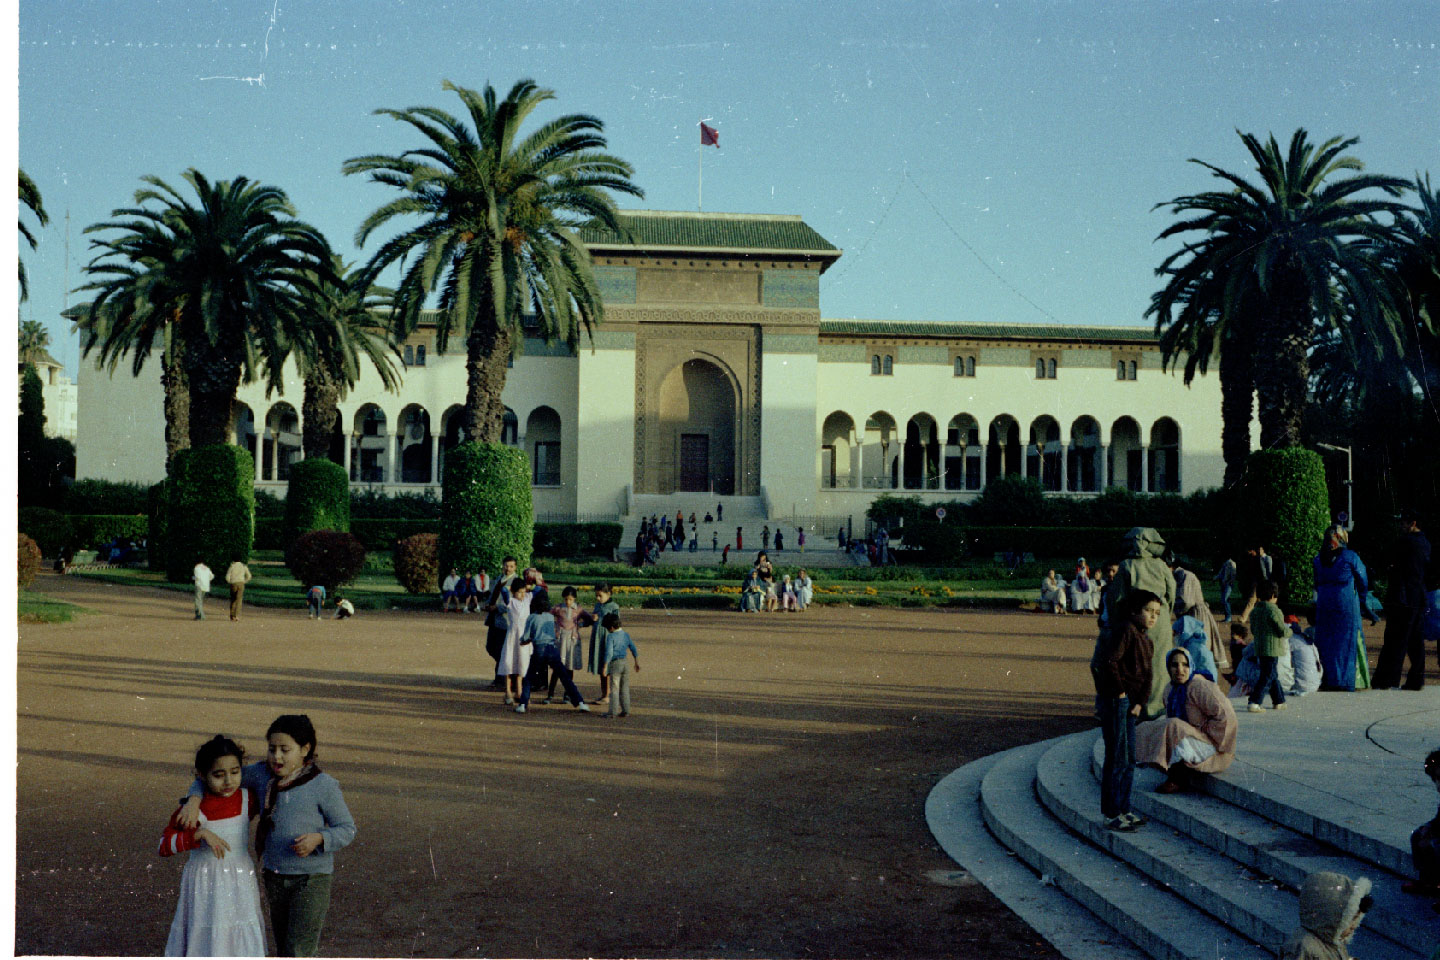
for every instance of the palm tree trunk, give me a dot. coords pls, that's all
(486, 362)
(1237, 405)
(214, 380)
(320, 410)
(177, 406)
(1282, 365)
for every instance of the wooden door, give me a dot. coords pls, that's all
(694, 462)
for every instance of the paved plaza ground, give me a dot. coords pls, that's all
(765, 799)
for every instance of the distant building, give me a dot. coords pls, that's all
(714, 372)
(62, 398)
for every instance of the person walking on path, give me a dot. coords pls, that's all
(800, 538)
(201, 576)
(1144, 569)
(237, 575)
(1340, 582)
(1226, 577)
(1405, 608)
(739, 539)
(720, 513)
(1271, 642)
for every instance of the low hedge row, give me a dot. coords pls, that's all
(577, 539)
(56, 532)
(1093, 543)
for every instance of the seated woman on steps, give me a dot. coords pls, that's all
(1197, 732)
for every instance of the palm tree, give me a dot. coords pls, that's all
(1269, 259)
(231, 274)
(342, 331)
(29, 198)
(500, 233)
(34, 339)
(1417, 257)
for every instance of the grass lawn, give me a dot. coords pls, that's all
(38, 608)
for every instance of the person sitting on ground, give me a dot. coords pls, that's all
(804, 589)
(789, 601)
(1304, 659)
(1425, 846)
(1272, 642)
(467, 593)
(1052, 593)
(1190, 635)
(1198, 730)
(1084, 596)
(447, 592)
(709, 517)
(772, 593)
(1239, 641)
(344, 609)
(1331, 908)
(750, 593)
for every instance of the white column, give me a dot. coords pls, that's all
(260, 455)
(387, 474)
(984, 464)
(434, 459)
(857, 464)
(1144, 468)
(1065, 467)
(349, 440)
(900, 467)
(1102, 465)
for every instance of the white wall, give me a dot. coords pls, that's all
(121, 424)
(789, 433)
(605, 445)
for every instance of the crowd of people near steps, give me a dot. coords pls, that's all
(682, 534)
(1160, 670)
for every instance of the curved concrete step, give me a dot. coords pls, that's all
(952, 811)
(1159, 922)
(1210, 881)
(1267, 847)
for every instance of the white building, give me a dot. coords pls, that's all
(715, 372)
(62, 399)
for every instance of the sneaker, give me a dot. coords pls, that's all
(1117, 823)
(520, 708)
(548, 700)
(509, 701)
(1280, 706)
(624, 713)
(582, 707)
(1254, 708)
(1134, 820)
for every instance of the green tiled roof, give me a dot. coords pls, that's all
(987, 331)
(731, 231)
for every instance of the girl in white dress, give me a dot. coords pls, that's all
(515, 657)
(219, 910)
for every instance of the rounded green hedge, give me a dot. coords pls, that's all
(317, 498)
(486, 513)
(1283, 502)
(51, 530)
(212, 509)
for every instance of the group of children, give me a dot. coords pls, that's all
(303, 822)
(540, 639)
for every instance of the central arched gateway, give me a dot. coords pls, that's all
(696, 443)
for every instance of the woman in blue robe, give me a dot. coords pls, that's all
(1340, 583)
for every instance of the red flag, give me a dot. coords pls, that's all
(709, 136)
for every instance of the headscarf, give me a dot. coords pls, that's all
(1175, 698)
(1336, 541)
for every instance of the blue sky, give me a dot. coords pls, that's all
(980, 161)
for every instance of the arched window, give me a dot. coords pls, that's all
(1052, 368)
(1134, 368)
(420, 355)
(409, 355)
(959, 366)
(1040, 369)
(969, 366)
(875, 365)
(888, 365)
(510, 429)
(1120, 370)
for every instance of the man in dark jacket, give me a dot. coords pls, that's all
(1121, 668)
(1405, 608)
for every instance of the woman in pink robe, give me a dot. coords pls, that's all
(1198, 730)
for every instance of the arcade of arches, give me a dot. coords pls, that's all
(373, 450)
(924, 456)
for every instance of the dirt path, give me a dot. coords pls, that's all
(765, 799)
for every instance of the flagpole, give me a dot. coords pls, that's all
(700, 181)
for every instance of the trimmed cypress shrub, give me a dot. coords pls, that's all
(1284, 504)
(417, 563)
(317, 498)
(106, 497)
(51, 530)
(331, 558)
(486, 511)
(28, 561)
(157, 499)
(212, 509)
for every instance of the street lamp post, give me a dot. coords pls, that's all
(1349, 482)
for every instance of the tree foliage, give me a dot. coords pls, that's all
(499, 233)
(417, 563)
(29, 200)
(486, 510)
(316, 498)
(331, 558)
(211, 509)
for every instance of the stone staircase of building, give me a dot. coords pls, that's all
(1215, 873)
(746, 513)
